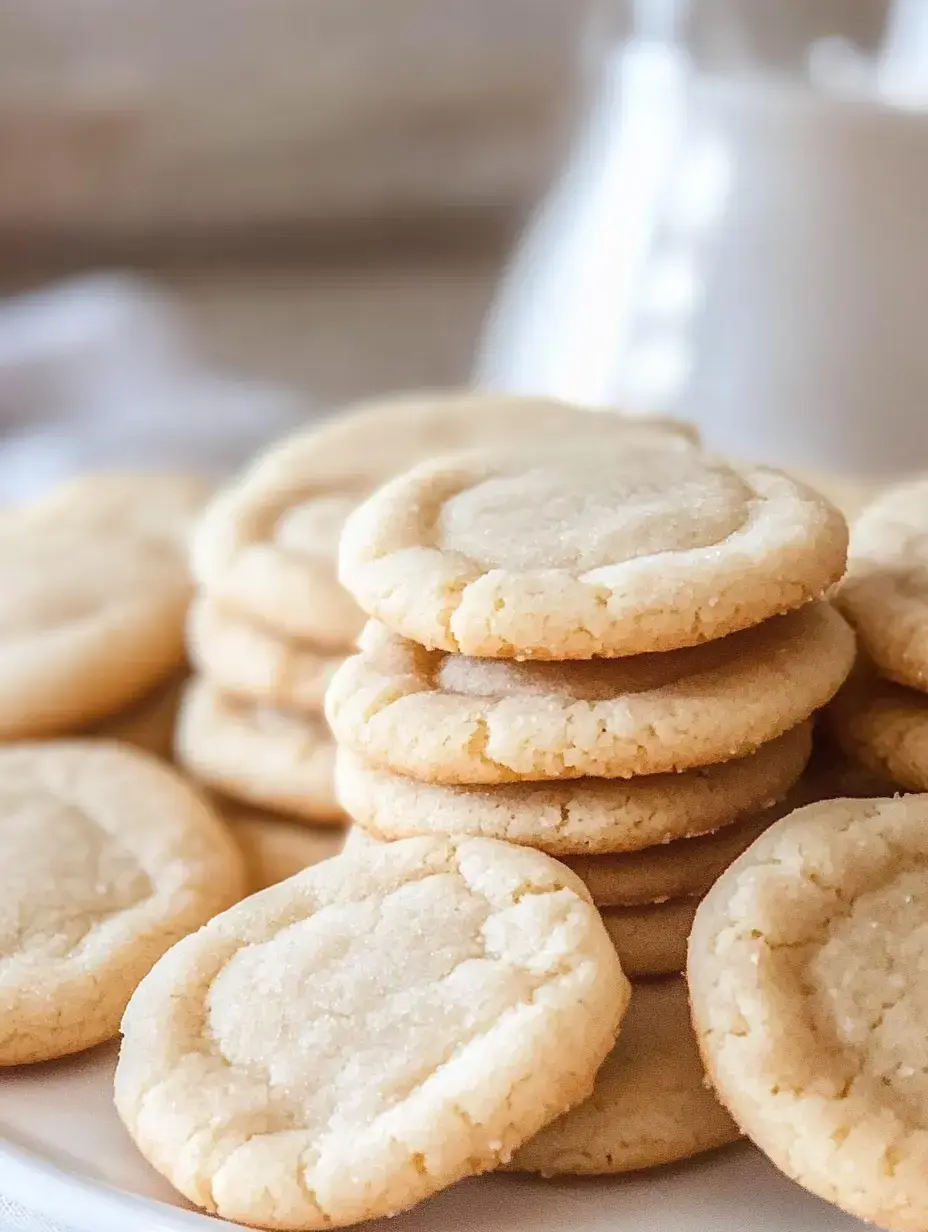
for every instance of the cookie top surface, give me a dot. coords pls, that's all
(806, 975)
(883, 726)
(370, 1031)
(581, 815)
(95, 587)
(453, 719)
(276, 848)
(885, 595)
(109, 858)
(268, 543)
(619, 547)
(650, 1104)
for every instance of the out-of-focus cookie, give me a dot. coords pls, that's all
(149, 723)
(806, 975)
(884, 727)
(651, 939)
(650, 1105)
(452, 719)
(274, 759)
(579, 816)
(369, 1032)
(276, 847)
(108, 858)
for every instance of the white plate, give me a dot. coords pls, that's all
(65, 1155)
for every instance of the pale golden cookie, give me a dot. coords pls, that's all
(268, 543)
(272, 758)
(806, 973)
(885, 595)
(95, 588)
(108, 858)
(275, 847)
(651, 939)
(148, 723)
(246, 660)
(650, 1104)
(450, 719)
(343, 1045)
(579, 816)
(885, 727)
(603, 549)
(850, 495)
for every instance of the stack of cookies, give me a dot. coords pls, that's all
(880, 718)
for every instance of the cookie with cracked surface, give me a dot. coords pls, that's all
(650, 939)
(148, 723)
(451, 719)
(274, 759)
(247, 660)
(95, 590)
(650, 1104)
(884, 727)
(343, 1045)
(579, 816)
(885, 595)
(268, 543)
(275, 847)
(108, 858)
(805, 973)
(587, 550)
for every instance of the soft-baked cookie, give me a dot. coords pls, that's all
(268, 543)
(650, 1104)
(883, 726)
(148, 723)
(95, 588)
(651, 939)
(275, 847)
(580, 815)
(885, 595)
(806, 973)
(609, 548)
(108, 858)
(345, 1044)
(274, 759)
(246, 660)
(452, 719)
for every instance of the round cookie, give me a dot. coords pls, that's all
(245, 660)
(451, 719)
(148, 723)
(271, 758)
(109, 858)
(276, 848)
(577, 552)
(651, 939)
(885, 727)
(578, 816)
(806, 977)
(347, 1043)
(268, 543)
(650, 1104)
(885, 595)
(95, 589)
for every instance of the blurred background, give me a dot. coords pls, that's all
(218, 219)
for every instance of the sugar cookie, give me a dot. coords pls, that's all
(581, 815)
(95, 587)
(108, 858)
(272, 758)
(268, 543)
(651, 939)
(347, 1043)
(447, 718)
(276, 848)
(590, 551)
(885, 727)
(806, 975)
(650, 1104)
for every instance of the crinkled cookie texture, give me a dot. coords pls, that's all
(452, 719)
(276, 848)
(603, 549)
(269, 542)
(95, 589)
(651, 939)
(580, 815)
(885, 727)
(650, 1104)
(247, 660)
(274, 759)
(885, 595)
(343, 1045)
(806, 973)
(148, 723)
(108, 859)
